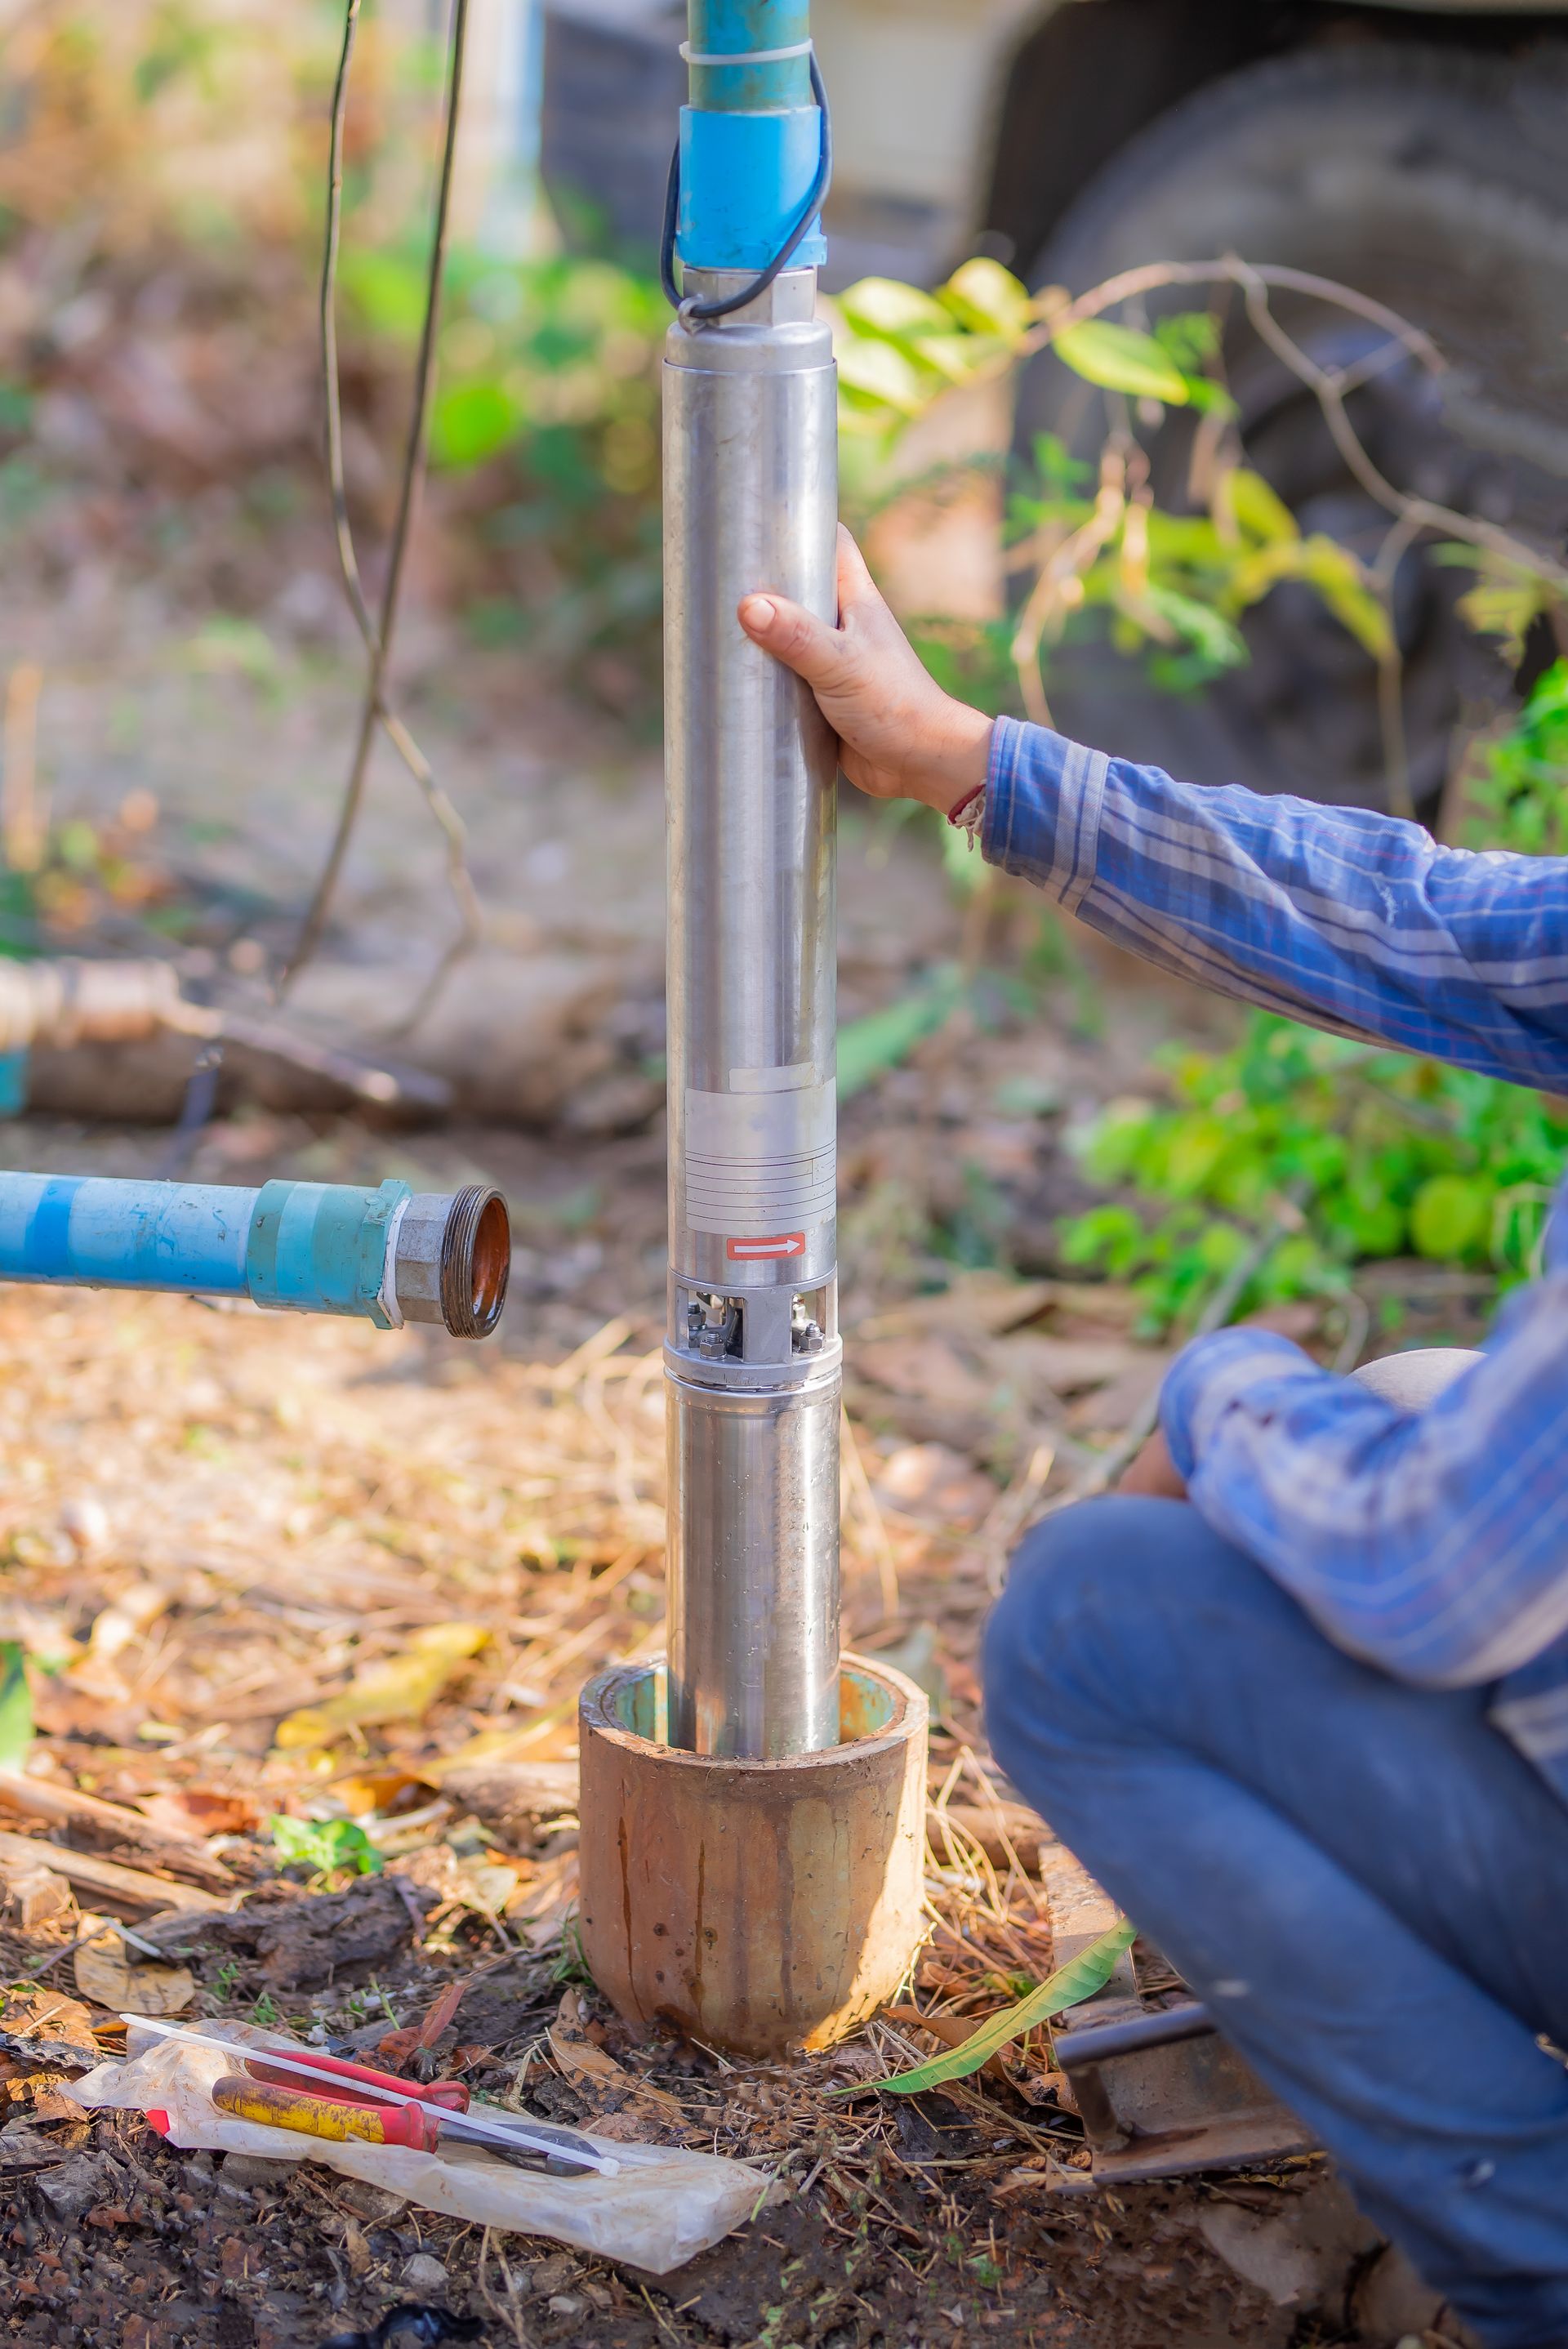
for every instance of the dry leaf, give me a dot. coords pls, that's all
(928, 1370)
(931, 1482)
(187, 1811)
(401, 1688)
(105, 1974)
(364, 1791)
(587, 2066)
(45, 2014)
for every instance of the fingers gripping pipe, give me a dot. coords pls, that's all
(389, 1256)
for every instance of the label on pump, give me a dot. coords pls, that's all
(762, 1164)
(767, 1251)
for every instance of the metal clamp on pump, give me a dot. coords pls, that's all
(387, 1256)
(734, 164)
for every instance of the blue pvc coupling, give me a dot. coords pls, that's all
(322, 1248)
(744, 179)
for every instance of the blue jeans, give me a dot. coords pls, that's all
(1365, 1882)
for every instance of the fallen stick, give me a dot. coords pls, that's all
(106, 1876)
(63, 1806)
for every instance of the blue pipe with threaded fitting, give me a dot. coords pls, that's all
(751, 137)
(387, 1256)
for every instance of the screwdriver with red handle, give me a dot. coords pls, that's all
(332, 2069)
(342, 2087)
(336, 2115)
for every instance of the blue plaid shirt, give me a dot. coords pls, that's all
(1433, 1545)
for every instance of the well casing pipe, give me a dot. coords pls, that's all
(752, 1356)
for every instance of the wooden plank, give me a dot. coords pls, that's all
(64, 1807)
(106, 1876)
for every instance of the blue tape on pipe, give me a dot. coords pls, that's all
(47, 1250)
(743, 179)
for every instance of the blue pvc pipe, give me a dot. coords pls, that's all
(750, 139)
(309, 1247)
(720, 29)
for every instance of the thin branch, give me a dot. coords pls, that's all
(378, 633)
(1330, 396)
(1385, 572)
(1255, 279)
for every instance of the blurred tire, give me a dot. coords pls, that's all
(1433, 181)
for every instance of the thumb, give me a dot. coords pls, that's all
(814, 651)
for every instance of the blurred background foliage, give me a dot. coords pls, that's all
(160, 206)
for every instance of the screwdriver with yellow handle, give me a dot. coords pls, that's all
(329, 2117)
(414, 2126)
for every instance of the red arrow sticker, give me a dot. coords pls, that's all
(765, 1251)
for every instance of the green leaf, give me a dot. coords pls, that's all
(1069, 1986)
(988, 300)
(15, 1707)
(324, 1845)
(882, 306)
(1338, 578)
(1256, 508)
(1117, 359)
(1190, 336)
(869, 1048)
(881, 371)
(1207, 631)
(472, 423)
(1449, 1216)
(1059, 472)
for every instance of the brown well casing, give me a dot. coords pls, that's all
(759, 1907)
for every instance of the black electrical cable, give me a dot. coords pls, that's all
(702, 313)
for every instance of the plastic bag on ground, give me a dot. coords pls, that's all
(660, 2209)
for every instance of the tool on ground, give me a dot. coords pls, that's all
(1160, 2093)
(343, 2080)
(500, 2132)
(387, 1256)
(344, 2114)
(753, 1358)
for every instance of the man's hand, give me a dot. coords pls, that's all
(899, 736)
(1154, 1475)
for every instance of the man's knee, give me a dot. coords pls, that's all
(1100, 1601)
(1049, 1611)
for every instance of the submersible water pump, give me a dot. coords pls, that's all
(752, 1817)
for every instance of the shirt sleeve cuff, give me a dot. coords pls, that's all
(1043, 801)
(1210, 1374)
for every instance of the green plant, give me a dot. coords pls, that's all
(1170, 586)
(1069, 1986)
(15, 1706)
(326, 1847)
(1518, 798)
(1342, 1150)
(545, 427)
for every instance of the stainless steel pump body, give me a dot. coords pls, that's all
(753, 1357)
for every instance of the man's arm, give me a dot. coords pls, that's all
(1354, 922)
(1431, 1543)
